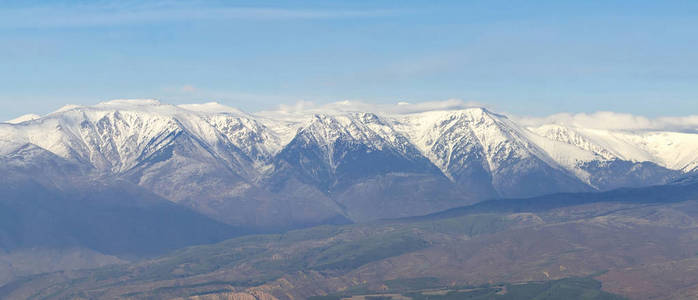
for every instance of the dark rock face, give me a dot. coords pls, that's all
(531, 177)
(621, 173)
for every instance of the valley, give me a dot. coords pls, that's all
(608, 242)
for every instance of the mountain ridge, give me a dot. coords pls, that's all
(240, 168)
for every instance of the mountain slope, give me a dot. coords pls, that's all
(207, 161)
(622, 158)
(367, 167)
(485, 151)
(39, 210)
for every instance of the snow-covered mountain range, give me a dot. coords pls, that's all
(304, 168)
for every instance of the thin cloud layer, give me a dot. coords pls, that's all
(129, 12)
(308, 107)
(598, 120)
(615, 121)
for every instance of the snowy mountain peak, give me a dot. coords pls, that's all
(357, 127)
(139, 105)
(23, 118)
(438, 134)
(67, 107)
(130, 102)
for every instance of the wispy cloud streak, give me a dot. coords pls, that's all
(615, 121)
(598, 120)
(122, 13)
(309, 107)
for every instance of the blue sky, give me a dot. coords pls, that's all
(522, 57)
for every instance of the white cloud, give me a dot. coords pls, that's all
(402, 107)
(212, 107)
(615, 121)
(597, 120)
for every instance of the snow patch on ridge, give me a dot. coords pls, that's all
(23, 118)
